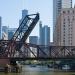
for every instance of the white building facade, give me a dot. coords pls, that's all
(58, 5)
(65, 28)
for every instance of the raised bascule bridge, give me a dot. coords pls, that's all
(17, 49)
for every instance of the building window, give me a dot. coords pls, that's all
(69, 20)
(73, 11)
(68, 11)
(71, 35)
(71, 27)
(64, 34)
(68, 17)
(64, 19)
(63, 25)
(73, 17)
(64, 28)
(64, 12)
(63, 40)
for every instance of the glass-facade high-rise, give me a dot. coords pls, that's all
(44, 34)
(24, 13)
(57, 6)
(44, 39)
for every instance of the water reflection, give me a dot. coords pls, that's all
(38, 70)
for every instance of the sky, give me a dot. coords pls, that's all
(11, 12)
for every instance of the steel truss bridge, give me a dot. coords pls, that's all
(17, 49)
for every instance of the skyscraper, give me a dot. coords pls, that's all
(0, 28)
(66, 28)
(44, 35)
(57, 6)
(24, 13)
(44, 39)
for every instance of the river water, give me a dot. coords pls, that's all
(39, 70)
